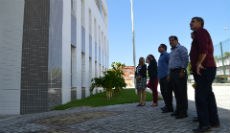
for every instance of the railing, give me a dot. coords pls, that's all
(222, 57)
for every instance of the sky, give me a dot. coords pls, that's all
(156, 20)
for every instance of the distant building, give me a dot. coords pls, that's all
(49, 51)
(129, 76)
(221, 67)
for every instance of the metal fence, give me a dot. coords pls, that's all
(222, 57)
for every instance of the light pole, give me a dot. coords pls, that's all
(133, 33)
(133, 39)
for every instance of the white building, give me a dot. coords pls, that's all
(49, 52)
(223, 65)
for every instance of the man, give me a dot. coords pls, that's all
(178, 63)
(204, 71)
(166, 92)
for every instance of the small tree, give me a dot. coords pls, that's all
(119, 82)
(113, 78)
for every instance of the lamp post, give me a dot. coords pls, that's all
(133, 33)
(133, 39)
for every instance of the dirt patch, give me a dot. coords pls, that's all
(69, 119)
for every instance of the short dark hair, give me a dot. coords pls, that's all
(163, 46)
(199, 19)
(173, 37)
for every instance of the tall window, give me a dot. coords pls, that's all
(95, 36)
(82, 12)
(90, 22)
(73, 23)
(98, 3)
(83, 25)
(90, 33)
(73, 7)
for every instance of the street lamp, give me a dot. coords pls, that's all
(133, 33)
(133, 39)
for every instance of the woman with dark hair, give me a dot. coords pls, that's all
(140, 76)
(153, 81)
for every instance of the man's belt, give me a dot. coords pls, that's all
(177, 69)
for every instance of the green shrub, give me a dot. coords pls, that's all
(112, 81)
(221, 79)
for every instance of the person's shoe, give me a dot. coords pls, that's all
(215, 125)
(143, 104)
(195, 119)
(164, 108)
(202, 129)
(139, 105)
(181, 116)
(167, 110)
(174, 114)
(154, 105)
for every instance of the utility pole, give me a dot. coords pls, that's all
(133, 32)
(133, 39)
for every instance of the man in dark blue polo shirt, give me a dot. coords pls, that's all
(163, 72)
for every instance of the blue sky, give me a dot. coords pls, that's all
(156, 20)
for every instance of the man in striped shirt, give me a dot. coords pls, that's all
(178, 63)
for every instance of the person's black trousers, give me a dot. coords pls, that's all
(166, 92)
(179, 86)
(205, 98)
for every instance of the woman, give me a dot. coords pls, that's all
(140, 76)
(153, 81)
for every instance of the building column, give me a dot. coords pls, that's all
(86, 78)
(79, 48)
(66, 52)
(34, 72)
(11, 32)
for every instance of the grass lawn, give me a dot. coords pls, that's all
(125, 96)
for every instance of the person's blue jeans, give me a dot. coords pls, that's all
(205, 98)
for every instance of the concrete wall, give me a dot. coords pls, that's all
(11, 31)
(35, 51)
(99, 32)
(65, 72)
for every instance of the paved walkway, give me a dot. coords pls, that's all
(222, 93)
(111, 119)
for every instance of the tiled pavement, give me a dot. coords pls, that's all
(119, 118)
(111, 119)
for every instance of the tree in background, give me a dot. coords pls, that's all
(112, 80)
(227, 54)
(189, 68)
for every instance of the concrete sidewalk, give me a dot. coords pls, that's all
(222, 93)
(125, 118)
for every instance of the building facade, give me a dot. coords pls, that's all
(129, 76)
(49, 52)
(223, 65)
